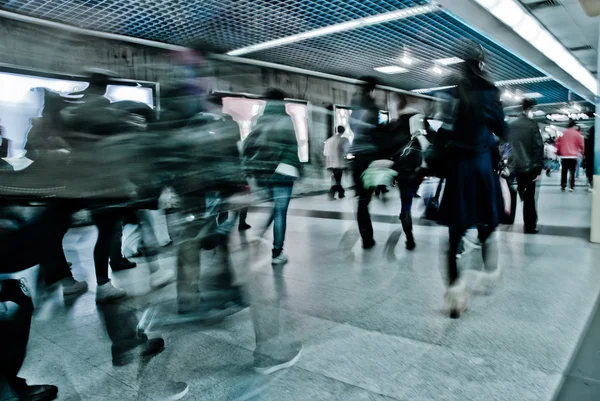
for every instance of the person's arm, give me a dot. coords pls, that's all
(538, 148)
(495, 115)
(581, 145)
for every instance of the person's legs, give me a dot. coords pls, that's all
(188, 269)
(456, 295)
(365, 227)
(117, 261)
(572, 169)
(337, 176)
(455, 235)
(408, 190)
(282, 193)
(526, 185)
(563, 173)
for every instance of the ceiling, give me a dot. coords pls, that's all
(226, 25)
(568, 22)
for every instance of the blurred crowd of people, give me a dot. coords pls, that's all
(126, 165)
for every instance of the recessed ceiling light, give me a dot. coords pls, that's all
(391, 69)
(406, 60)
(532, 95)
(449, 61)
(437, 70)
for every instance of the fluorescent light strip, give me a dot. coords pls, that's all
(391, 69)
(439, 88)
(523, 81)
(449, 61)
(510, 82)
(529, 28)
(342, 27)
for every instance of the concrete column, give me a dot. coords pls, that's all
(595, 232)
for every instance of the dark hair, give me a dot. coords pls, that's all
(572, 123)
(340, 129)
(274, 94)
(528, 104)
(402, 100)
(369, 83)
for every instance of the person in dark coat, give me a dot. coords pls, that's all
(589, 156)
(363, 122)
(471, 197)
(527, 157)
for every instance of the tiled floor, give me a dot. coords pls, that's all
(371, 322)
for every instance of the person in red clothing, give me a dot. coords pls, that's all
(570, 148)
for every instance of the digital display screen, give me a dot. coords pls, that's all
(19, 103)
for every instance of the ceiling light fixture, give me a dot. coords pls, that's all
(437, 70)
(449, 61)
(391, 69)
(509, 82)
(513, 15)
(342, 27)
(428, 90)
(406, 60)
(533, 95)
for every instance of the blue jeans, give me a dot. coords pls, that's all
(280, 190)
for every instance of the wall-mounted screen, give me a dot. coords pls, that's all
(19, 103)
(246, 112)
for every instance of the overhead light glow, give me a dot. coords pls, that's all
(513, 15)
(437, 70)
(449, 61)
(344, 26)
(391, 69)
(533, 95)
(577, 107)
(406, 60)
(436, 89)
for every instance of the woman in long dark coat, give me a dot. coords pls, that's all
(472, 194)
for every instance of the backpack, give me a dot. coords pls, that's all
(408, 157)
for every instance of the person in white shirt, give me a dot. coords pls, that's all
(336, 149)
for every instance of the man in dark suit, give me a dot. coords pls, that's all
(527, 156)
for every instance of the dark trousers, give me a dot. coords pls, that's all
(490, 251)
(14, 333)
(336, 183)
(365, 227)
(38, 241)
(408, 189)
(526, 188)
(589, 171)
(108, 246)
(568, 166)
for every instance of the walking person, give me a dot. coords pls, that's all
(271, 156)
(570, 148)
(364, 122)
(528, 160)
(408, 158)
(472, 195)
(336, 149)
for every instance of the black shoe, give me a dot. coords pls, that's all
(42, 392)
(244, 227)
(532, 230)
(410, 244)
(124, 264)
(341, 196)
(368, 244)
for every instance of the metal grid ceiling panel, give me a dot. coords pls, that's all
(224, 24)
(423, 38)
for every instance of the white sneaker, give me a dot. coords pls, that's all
(106, 293)
(266, 368)
(161, 277)
(280, 259)
(70, 286)
(457, 299)
(571, 190)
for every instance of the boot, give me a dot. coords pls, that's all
(407, 226)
